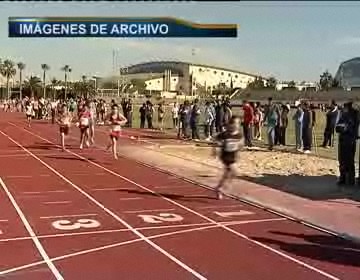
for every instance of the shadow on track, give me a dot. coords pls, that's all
(310, 187)
(70, 158)
(177, 197)
(317, 247)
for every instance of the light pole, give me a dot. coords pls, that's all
(123, 71)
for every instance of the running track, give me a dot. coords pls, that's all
(81, 215)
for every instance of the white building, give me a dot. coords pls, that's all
(183, 77)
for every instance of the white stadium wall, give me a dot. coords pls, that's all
(157, 84)
(211, 77)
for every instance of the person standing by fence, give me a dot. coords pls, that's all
(347, 128)
(208, 120)
(331, 117)
(247, 123)
(272, 116)
(298, 118)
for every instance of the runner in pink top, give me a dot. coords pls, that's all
(84, 125)
(115, 120)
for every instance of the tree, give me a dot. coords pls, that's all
(326, 81)
(139, 85)
(33, 84)
(45, 68)
(257, 83)
(85, 88)
(66, 70)
(21, 67)
(8, 71)
(54, 82)
(291, 84)
(272, 82)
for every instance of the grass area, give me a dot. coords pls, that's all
(290, 133)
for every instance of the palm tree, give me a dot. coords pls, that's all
(21, 67)
(85, 88)
(54, 82)
(45, 68)
(33, 83)
(8, 71)
(271, 83)
(326, 80)
(66, 70)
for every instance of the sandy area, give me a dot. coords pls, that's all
(254, 163)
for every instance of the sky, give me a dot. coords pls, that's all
(289, 40)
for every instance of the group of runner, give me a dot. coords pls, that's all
(83, 116)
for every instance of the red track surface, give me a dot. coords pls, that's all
(42, 185)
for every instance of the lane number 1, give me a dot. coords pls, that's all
(81, 223)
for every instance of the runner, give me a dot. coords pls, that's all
(29, 111)
(92, 121)
(115, 119)
(64, 122)
(230, 142)
(84, 124)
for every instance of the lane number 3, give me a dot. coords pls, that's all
(81, 223)
(162, 217)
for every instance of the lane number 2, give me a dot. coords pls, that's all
(162, 217)
(81, 223)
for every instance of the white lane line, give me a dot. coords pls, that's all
(25, 176)
(4, 221)
(36, 241)
(67, 216)
(57, 202)
(116, 217)
(219, 206)
(97, 249)
(169, 187)
(267, 247)
(101, 231)
(110, 189)
(131, 198)
(119, 244)
(150, 210)
(19, 176)
(233, 223)
(43, 192)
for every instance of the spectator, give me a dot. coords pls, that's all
(194, 120)
(129, 113)
(258, 121)
(175, 115)
(331, 117)
(271, 118)
(307, 128)
(209, 119)
(284, 123)
(247, 123)
(219, 113)
(149, 114)
(142, 112)
(347, 127)
(185, 119)
(161, 113)
(298, 119)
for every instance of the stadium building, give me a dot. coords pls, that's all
(184, 77)
(348, 74)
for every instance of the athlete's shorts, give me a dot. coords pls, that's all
(83, 128)
(64, 129)
(115, 134)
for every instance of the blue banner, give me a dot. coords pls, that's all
(59, 27)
